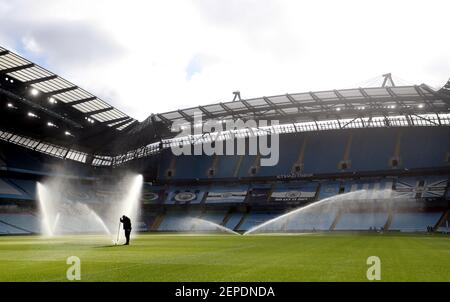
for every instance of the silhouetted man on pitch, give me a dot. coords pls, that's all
(126, 227)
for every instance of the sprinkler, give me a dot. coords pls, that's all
(116, 242)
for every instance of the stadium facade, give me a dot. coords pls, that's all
(393, 138)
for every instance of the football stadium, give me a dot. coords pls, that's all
(304, 186)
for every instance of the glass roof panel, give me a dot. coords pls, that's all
(213, 108)
(36, 72)
(351, 93)
(260, 102)
(377, 92)
(282, 99)
(302, 97)
(404, 91)
(29, 74)
(235, 105)
(11, 60)
(90, 106)
(171, 115)
(326, 95)
(192, 111)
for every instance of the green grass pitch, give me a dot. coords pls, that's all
(163, 257)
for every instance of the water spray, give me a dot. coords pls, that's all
(206, 223)
(45, 222)
(348, 200)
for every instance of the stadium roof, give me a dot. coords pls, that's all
(103, 135)
(59, 89)
(313, 106)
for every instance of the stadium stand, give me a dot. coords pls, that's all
(214, 216)
(316, 221)
(359, 149)
(414, 222)
(176, 221)
(26, 223)
(393, 140)
(234, 220)
(253, 219)
(361, 221)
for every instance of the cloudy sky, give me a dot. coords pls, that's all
(154, 56)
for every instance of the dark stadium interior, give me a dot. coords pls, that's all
(331, 142)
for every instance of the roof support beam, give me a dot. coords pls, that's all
(91, 113)
(186, 116)
(228, 110)
(206, 112)
(55, 92)
(52, 77)
(249, 107)
(164, 119)
(319, 101)
(273, 106)
(445, 98)
(82, 101)
(425, 98)
(341, 97)
(116, 120)
(395, 97)
(369, 99)
(294, 102)
(17, 68)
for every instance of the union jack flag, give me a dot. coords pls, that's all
(420, 188)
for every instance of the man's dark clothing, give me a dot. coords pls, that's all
(127, 227)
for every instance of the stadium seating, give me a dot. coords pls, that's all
(22, 160)
(368, 154)
(6, 229)
(177, 221)
(19, 223)
(184, 166)
(323, 157)
(226, 165)
(27, 186)
(361, 221)
(421, 147)
(233, 220)
(253, 219)
(288, 156)
(413, 148)
(414, 222)
(214, 216)
(9, 190)
(310, 221)
(360, 148)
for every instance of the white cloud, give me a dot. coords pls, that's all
(138, 56)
